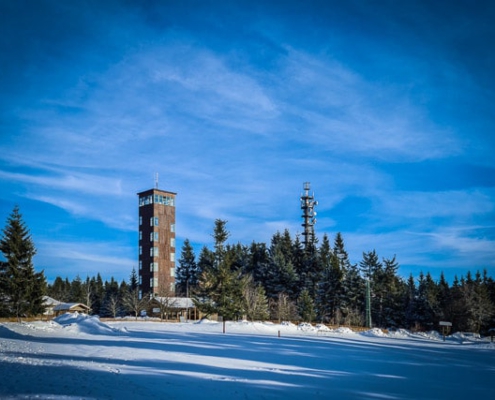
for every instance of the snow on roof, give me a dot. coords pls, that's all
(70, 306)
(176, 302)
(49, 301)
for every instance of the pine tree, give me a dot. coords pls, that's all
(21, 287)
(187, 271)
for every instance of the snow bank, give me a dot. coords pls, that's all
(83, 323)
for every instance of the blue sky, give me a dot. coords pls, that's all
(386, 107)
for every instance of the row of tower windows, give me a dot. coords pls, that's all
(155, 221)
(158, 199)
(154, 281)
(154, 268)
(154, 237)
(155, 252)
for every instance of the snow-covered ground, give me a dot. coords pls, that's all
(80, 357)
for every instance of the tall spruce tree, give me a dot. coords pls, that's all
(187, 271)
(21, 287)
(221, 285)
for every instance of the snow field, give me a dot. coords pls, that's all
(79, 357)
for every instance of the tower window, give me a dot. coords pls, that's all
(172, 227)
(172, 242)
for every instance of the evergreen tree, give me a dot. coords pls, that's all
(77, 291)
(427, 308)
(280, 276)
(221, 285)
(259, 261)
(59, 290)
(372, 271)
(112, 302)
(206, 260)
(459, 315)
(352, 300)
(187, 271)
(444, 299)
(21, 287)
(98, 294)
(330, 292)
(133, 280)
(305, 306)
(392, 311)
(220, 236)
(410, 300)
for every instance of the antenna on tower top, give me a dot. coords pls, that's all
(156, 180)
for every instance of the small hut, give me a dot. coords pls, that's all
(64, 308)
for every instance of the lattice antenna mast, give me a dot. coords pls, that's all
(308, 204)
(156, 180)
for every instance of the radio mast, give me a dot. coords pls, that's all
(308, 204)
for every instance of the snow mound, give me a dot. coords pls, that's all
(431, 335)
(83, 323)
(305, 327)
(375, 332)
(206, 321)
(322, 327)
(343, 330)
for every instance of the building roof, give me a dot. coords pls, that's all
(71, 307)
(49, 301)
(156, 190)
(176, 302)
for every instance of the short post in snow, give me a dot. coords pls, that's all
(445, 327)
(279, 333)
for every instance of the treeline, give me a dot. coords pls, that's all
(283, 281)
(22, 289)
(286, 280)
(105, 298)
